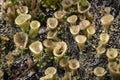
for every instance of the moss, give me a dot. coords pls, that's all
(84, 3)
(51, 3)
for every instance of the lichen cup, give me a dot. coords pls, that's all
(64, 63)
(114, 69)
(49, 45)
(100, 50)
(90, 31)
(52, 23)
(72, 19)
(23, 21)
(59, 15)
(80, 39)
(73, 65)
(47, 77)
(112, 54)
(75, 30)
(100, 72)
(66, 3)
(20, 40)
(52, 35)
(84, 7)
(60, 50)
(84, 24)
(34, 28)
(37, 49)
(22, 10)
(51, 71)
(107, 21)
(104, 38)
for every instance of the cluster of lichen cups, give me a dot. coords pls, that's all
(52, 43)
(57, 48)
(23, 21)
(106, 21)
(112, 55)
(13, 8)
(32, 27)
(70, 66)
(104, 38)
(113, 66)
(85, 26)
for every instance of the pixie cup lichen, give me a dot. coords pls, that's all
(112, 54)
(72, 19)
(100, 50)
(52, 35)
(75, 30)
(60, 49)
(107, 21)
(20, 40)
(34, 28)
(107, 10)
(80, 39)
(83, 6)
(52, 23)
(73, 65)
(49, 44)
(22, 10)
(100, 72)
(47, 77)
(114, 69)
(23, 21)
(59, 15)
(66, 3)
(104, 38)
(90, 31)
(51, 71)
(84, 24)
(64, 63)
(36, 48)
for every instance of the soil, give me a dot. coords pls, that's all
(88, 59)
